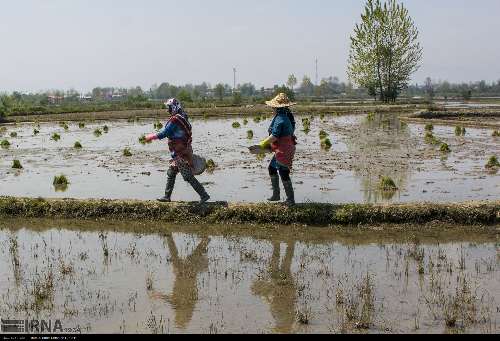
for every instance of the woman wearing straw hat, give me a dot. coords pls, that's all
(282, 142)
(179, 134)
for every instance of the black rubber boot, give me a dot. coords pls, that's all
(275, 183)
(169, 188)
(204, 197)
(290, 196)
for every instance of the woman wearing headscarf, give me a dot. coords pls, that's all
(282, 142)
(178, 130)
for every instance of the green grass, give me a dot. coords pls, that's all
(78, 145)
(236, 125)
(387, 184)
(127, 152)
(16, 164)
(55, 137)
(5, 144)
(493, 163)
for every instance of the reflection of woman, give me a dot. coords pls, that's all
(179, 133)
(279, 291)
(185, 291)
(282, 142)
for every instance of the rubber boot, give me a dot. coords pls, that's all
(290, 196)
(169, 188)
(204, 197)
(275, 183)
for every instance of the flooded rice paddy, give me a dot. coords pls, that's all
(364, 148)
(116, 278)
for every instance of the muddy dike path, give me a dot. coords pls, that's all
(310, 214)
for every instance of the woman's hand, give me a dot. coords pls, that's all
(151, 137)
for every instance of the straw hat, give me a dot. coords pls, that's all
(280, 101)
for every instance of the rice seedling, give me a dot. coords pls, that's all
(131, 119)
(460, 131)
(13, 134)
(250, 134)
(127, 152)
(370, 116)
(496, 133)
(158, 125)
(322, 116)
(142, 140)
(323, 134)
(210, 165)
(387, 184)
(493, 163)
(16, 164)
(236, 125)
(303, 317)
(36, 132)
(256, 119)
(81, 125)
(245, 121)
(78, 145)
(326, 143)
(445, 148)
(5, 144)
(105, 129)
(97, 132)
(429, 127)
(55, 137)
(60, 182)
(431, 139)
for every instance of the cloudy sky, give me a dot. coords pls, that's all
(82, 44)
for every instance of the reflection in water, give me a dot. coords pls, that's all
(185, 291)
(381, 148)
(279, 289)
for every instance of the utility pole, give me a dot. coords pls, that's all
(234, 72)
(316, 71)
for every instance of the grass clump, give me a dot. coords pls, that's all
(17, 164)
(78, 145)
(236, 125)
(493, 163)
(13, 134)
(429, 127)
(127, 152)
(387, 184)
(5, 144)
(81, 125)
(97, 132)
(157, 125)
(55, 137)
(250, 134)
(496, 133)
(445, 148)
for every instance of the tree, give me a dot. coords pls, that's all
(285, 90)
(307, 87)
(5, 105)
(429, 88)
(219, 91)
(292, 81)
(385, 50)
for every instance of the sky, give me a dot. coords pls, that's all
(81, 44)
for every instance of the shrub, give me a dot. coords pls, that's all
(17, 164)
(387, 184)
(78, 145)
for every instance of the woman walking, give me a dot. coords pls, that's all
(179, 133)
(282, 142)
